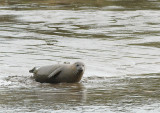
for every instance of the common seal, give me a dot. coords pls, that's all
(59, 73)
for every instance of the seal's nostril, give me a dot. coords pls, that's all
(80, 70)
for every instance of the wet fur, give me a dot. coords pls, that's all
(68, 73)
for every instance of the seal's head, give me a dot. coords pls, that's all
(80, 67)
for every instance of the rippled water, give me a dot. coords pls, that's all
(118, 40)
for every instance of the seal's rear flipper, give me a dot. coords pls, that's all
(32, 70)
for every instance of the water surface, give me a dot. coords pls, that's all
(117, 40)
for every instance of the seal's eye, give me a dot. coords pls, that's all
(77, 65)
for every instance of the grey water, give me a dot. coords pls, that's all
(118, 40)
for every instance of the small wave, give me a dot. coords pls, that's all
(18, 81)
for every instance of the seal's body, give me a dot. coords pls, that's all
(59, 73)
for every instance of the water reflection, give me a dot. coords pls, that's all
(120, 94)
(25, 92)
